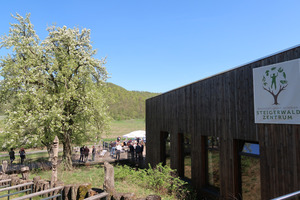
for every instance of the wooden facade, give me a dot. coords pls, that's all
(222, 106)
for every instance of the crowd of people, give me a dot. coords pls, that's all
(84, 153)
(135, 148)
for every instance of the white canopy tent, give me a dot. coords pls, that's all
(135, 134)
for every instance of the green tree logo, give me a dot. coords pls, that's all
(274, 81)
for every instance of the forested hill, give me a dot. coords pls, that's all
(123, 104)
(126, 104)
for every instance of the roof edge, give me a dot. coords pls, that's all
(223, 72)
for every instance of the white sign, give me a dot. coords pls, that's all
(277, 93)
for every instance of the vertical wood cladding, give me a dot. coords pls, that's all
(223, 106)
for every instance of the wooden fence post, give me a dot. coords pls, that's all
(54, 161)
(109, 178)
(4, 166)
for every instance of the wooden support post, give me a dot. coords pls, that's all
(25, 173)
(54, 160)
(109, 178)
(4, 166)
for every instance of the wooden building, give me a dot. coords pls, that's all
(205, 128)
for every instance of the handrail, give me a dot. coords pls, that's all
(287, 196)
(98, 196)
(41, 193)
(5, 180)
(16, 187)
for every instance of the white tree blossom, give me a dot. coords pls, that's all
(54, 87)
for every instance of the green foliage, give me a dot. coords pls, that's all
(124, 172)
(161, 179)
(125, 104)
(53, 87)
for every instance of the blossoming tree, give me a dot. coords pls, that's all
(54, 87)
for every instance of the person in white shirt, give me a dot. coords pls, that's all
(118, 153)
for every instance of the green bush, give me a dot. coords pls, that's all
(161, 179)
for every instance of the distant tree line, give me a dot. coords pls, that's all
(126, 104)
(123, 104)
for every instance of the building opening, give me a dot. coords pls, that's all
(213, 162)
(165, 148)
(250, 171)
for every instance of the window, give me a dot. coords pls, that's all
(165, 148)
(212, 162)
(187, 157)
(250, 171)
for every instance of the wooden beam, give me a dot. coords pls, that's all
(98, 196)
(39, 193)
(4, 181)
(16, 186)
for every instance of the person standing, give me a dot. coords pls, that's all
(12, 155)
(81, 154)
(135, 150)
(142, 150)
(113, 148)
(22, 155)
(119, 148)
(138, 152)
(86, 153)
(93, 153)
(131, 150)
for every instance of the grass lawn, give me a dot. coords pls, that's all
(122, 127)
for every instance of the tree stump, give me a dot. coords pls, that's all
(39, 186)
(13, 175)
(74, 191)
(15, 181)
(67, 193)
(4, 166)
(35, 181)
(25, 173)
(3, 176)
(57, 184)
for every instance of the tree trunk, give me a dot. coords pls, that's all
(275, 99)
(48, 145)
(67, 151)
(50, 152)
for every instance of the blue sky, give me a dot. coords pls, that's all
(159, 45)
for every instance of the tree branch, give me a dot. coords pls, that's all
(269, 90)
(281, 89)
